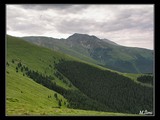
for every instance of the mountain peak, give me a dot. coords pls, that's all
(78, 37)
(82, 36)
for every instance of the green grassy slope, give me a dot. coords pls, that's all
(35, 57)
(24, 96)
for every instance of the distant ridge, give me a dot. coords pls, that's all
(100, 51)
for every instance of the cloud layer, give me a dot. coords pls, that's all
(129, 25)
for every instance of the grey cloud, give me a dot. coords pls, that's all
(14, 13)
(142, 17)
(124, 21)
(24, 25)
(19, 20)
(125, 18)
(71, 26)
(130, 19)
(30, 19)
(63, 8)
(28, 28)
(45, 6)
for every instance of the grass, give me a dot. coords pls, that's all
(22, 93)
(29, 55)
(63, 112)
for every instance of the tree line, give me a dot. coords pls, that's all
(146, 79)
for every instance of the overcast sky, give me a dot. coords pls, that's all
(128, 25)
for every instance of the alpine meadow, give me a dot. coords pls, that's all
(46, 82)
(79, 60)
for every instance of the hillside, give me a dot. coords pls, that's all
(100, 51)
(30, 68)
(24, 96)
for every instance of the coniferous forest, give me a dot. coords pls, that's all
(106, 86)
(146, 79)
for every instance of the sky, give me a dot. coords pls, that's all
(128, 25)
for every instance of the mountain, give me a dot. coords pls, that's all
(35, 74)
(101, 51)
(32, 81)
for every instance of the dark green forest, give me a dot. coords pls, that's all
(106, 87)
(146, 79)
